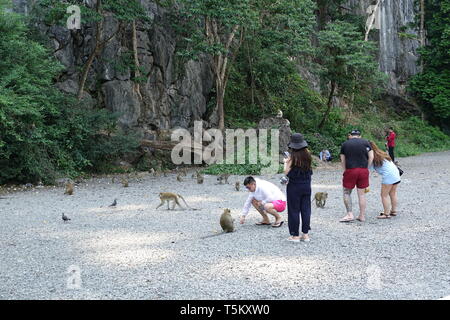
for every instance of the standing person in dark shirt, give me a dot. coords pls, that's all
(390, 138)
(356, 157)
(298, 169)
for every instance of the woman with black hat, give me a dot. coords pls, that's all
(297, 167)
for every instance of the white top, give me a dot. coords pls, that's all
(265, 192)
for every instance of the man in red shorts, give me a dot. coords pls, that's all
(356, 157)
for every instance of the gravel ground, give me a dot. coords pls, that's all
(135, 252)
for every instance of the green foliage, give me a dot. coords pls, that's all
(432, 86)
(44, 133)
(346, 59)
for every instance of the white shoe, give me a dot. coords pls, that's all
(293, 240)
(305, 240)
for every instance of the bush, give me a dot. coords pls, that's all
(44, 133)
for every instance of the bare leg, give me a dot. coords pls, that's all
(362, 204)
(393, 196)
(257, 205)
(348, 204)
(385, 190)
(270, 209)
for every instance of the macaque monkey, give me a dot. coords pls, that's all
(237, 186)
(69, 188)
(227, 221)
(223, 177)
(124, 182)
(179, 175)
(195, 174)
(320, 198)
(200, 178)
(169, 196)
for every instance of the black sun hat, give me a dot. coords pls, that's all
(355, 132)
(297, 141)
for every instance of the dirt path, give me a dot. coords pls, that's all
(135, 252)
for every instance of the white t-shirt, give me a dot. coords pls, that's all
(265, 192)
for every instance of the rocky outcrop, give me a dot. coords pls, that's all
(398, 41)
(284, 127)
(171, 93)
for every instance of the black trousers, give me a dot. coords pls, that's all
(391, 153)
(298, 203)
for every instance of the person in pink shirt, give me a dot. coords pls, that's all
(390, 138)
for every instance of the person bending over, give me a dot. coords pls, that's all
(267, 198)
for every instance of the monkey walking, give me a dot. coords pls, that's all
(169, 196)
(223, 177)
(321, 199)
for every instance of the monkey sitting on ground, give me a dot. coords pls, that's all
(69, 188)
(320, 198)
(223, 177)
(169, 196)
(179, 175)
(237, 186)
(227, 221)
(200, 178)
(124, 182)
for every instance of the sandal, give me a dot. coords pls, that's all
(393, 213)
(346, 219)
(383, 216)
(277, 225)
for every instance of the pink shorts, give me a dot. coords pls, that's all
(279, 205)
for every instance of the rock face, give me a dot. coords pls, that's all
(175, 93)
(284, 127)
(398, 53)
(171, 93)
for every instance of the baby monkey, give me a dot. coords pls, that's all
(320, 198)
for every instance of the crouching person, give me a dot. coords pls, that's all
(267, 198)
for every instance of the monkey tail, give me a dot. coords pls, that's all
(186, 202)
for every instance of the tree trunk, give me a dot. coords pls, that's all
(220, 110)
(98, 36)
(372, 20)
(137, 72)
(252, 78)
(329, 104)
(422, 23)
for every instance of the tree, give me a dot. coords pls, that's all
(43, 132)
(125, 11)
(216, 28)
(431, 87)
(347, 62)
(268, 62)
